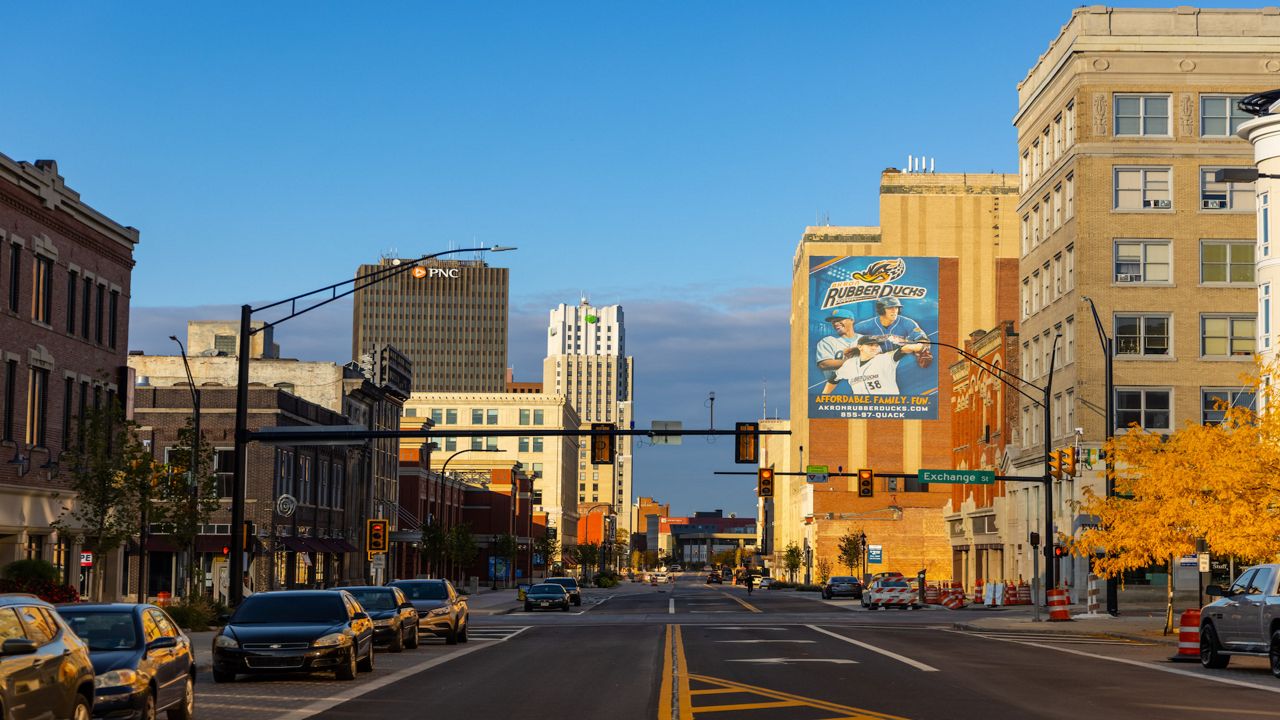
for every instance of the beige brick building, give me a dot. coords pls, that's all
(1120, 125)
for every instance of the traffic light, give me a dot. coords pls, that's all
(764, 482)
(1055, 464)
(602, 443)
(1035, 539)
(747, 448)
(1069, 462)
(1059, 551)
(866, 483)
(377, 536)
(226, 551)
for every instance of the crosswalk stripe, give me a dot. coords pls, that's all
(1050, 637)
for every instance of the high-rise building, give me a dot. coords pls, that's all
(1121, 124)
(587, 363)
(448, 316)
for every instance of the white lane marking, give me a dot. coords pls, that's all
(671, 606)
(809, 642)
(1148, 665)
(785, 661)
(705, 612)
(1072, 639)
(900, 658)
(743, 627)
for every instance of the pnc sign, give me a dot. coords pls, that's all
(433, 272)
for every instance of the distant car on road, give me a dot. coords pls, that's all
(714, 577)
(842, 585)
(546, 596)
(660, 577)
(45, 670)
(395, 619)
(143, 664)
(765, 582)
(570, 586)
(674, 569)
(295, 631)
(442, 610)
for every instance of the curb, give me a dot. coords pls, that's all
(1172, 640)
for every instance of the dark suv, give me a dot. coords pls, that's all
(44, 668)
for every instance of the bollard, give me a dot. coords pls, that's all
(1093, 605)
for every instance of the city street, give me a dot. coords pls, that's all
(688, 650)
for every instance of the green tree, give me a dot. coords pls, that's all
(725, 557)
(435, 548)
(792, 559)
(587, 555)
(850, 549)
(506, 546)
(824, 569)
(185, 500)
(462, 548)
(111, 472)
(549, 548)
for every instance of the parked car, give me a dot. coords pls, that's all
(660, 577)
(765, 582)
(1243, 620)
(674, 569)
(295, 631)
(45, 668)
(395, 619)
(714, 578)
(570, 586)
(442, 610)
(547, 596)
(142, 663)
(843, 585)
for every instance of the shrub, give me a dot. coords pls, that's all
(53, 592)
(604, 581)
(31, 571)
(808, 588)
(193, 614)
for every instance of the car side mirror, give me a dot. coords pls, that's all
(406, 606)
(18, 646)
(360, 616)
(1215, 591)
(161, 643)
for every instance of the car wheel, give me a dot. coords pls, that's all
(577, 601)
(187, 708)
(462, 634)
(148, 711)
(413, 641)
(82, 709)
(451, 638)
(347, 670)
(397, 645)
(222, 676)
(1210, 653)
(528, 607)
(1274, 654)
(366, 665)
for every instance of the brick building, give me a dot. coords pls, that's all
(65, 273)
(426, 498)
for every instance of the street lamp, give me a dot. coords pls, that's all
(445, 467)
(195, 441)
(236, 559)
(1108, 352)
(862, 546)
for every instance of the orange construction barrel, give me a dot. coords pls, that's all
(1058, 605)
(1188, 637)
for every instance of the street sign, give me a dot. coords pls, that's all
(875, 554)
(379, 562)
(816, 473)
(668, 426)
(1204, 562)
(86, 559)
(958, 477)
(1188, 561)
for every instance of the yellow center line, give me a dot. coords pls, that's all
(664, 689)
(749, 706)
(844, 710)
(682, 676)
(742, 602)
(716, 691)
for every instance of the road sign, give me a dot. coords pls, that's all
(875, 554)
(86, 559)
(816, 477)
(379, 562)
(1188, 561)
(668, 426)
(1204, 562)
(958, 477)
(816, 469)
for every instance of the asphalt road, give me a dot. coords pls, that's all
(689, 652)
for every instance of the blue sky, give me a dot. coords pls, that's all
(665, 155)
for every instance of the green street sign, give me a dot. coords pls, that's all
(815, 469)
(958, 477)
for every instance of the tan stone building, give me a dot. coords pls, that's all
(968, 222)
(553, 461)
(1121, 123)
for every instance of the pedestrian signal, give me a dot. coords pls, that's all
(866, 483)
(377, 536)
(764, 482)
(1069, 462)
(747, 447)
(1055, 464)
(1059, 551)
(602, 443)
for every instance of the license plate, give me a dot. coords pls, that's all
(544, 603)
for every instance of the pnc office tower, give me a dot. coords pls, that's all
(448, 316)
(587, 363)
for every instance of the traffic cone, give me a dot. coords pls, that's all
(1188, 637)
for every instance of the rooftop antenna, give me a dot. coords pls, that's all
(764, 400)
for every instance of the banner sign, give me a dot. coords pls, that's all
(870, 322)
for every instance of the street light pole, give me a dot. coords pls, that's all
(194, 478)
(1108, 350)
(236, 561)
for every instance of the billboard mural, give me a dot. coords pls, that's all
(870, 322)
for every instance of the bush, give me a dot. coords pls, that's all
(31, 571)
(194, 614)
(604, 581)
(781, 585)
(52, 592)
(808, 588)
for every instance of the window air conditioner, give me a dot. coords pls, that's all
(1128, 277)
(1213, 204)
(1158, 204)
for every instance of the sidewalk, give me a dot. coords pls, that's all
(1138, 624)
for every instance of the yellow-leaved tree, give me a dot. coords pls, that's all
(1219, 482)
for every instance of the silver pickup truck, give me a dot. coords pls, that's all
(1244, 620)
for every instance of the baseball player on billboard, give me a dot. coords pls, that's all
(874, 371)
(895, 330)
(834, 350)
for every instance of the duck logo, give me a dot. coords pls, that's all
(882, 271)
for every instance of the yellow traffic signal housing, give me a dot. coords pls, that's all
(602, 449)
(866, 483)
(377, 536)
(764, 482)
(747, 445)
(1055, 464)
(1069, 462)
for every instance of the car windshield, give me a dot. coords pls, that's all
(547, 589)
(103, 630)
(375, 599)
(289, 608)
(843, 580)
(566, 583)
(423, 590)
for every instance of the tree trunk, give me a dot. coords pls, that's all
(1168, 611)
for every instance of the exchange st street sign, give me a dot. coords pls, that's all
(958, 477)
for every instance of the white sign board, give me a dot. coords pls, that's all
(1204, 562)
(379, 562)
(86, 559)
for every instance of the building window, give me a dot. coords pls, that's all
(322, 484)
(10, 389)
(1025, 166)
(524, 417)
(451, 443)
(1070, 194)
(1226, 262)
(524, 444)
(284, 472)
(1057, 206)
(15, 275)
(1149, 408)
(491, 444)
(1264, 311)
(1139, 334)
(538, 418)
(1069, 340)
(224, 467)
(1142, 189)
(1142, 115)
(1035, 291)
(1219, 116)
(85, 303)
(477, 416)
(1071, 267)
(1227, 335)
(477, 443)
(1264, 226)
(1070, 117)
(537, 470)
(1142, 261)
(437, 416)
(98, 314)
(1214, 403)
(1046, 287)
(225, 344)
(451, 417)
(537, 444)
(37, 407)
(68, 392)
(537, 497)
(113, 317)
(1224, 195)
(306, 494)
(72, 285)
(42, 290)
(491, 417)
(1026, 234)
(339, 486)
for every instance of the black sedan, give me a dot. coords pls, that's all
(570, 585)
(395, 620)
(713, 577)
(295, 631)
(842, 585)
(142, 663)
(546, 596)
